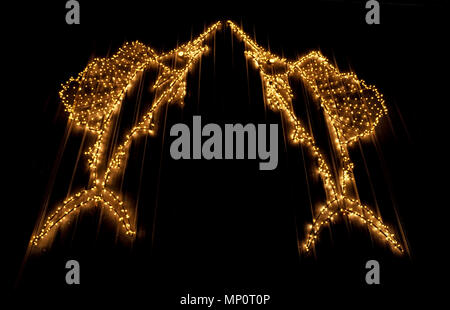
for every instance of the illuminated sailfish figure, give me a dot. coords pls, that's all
(352, 110)
(95, 96)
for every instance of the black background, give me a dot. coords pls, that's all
(213, 227)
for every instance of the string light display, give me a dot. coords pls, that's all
(96, 94)
(352, 110)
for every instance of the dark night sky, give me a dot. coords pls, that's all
(224, 226)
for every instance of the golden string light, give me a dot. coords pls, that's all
(96, 95)
(352, 110)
